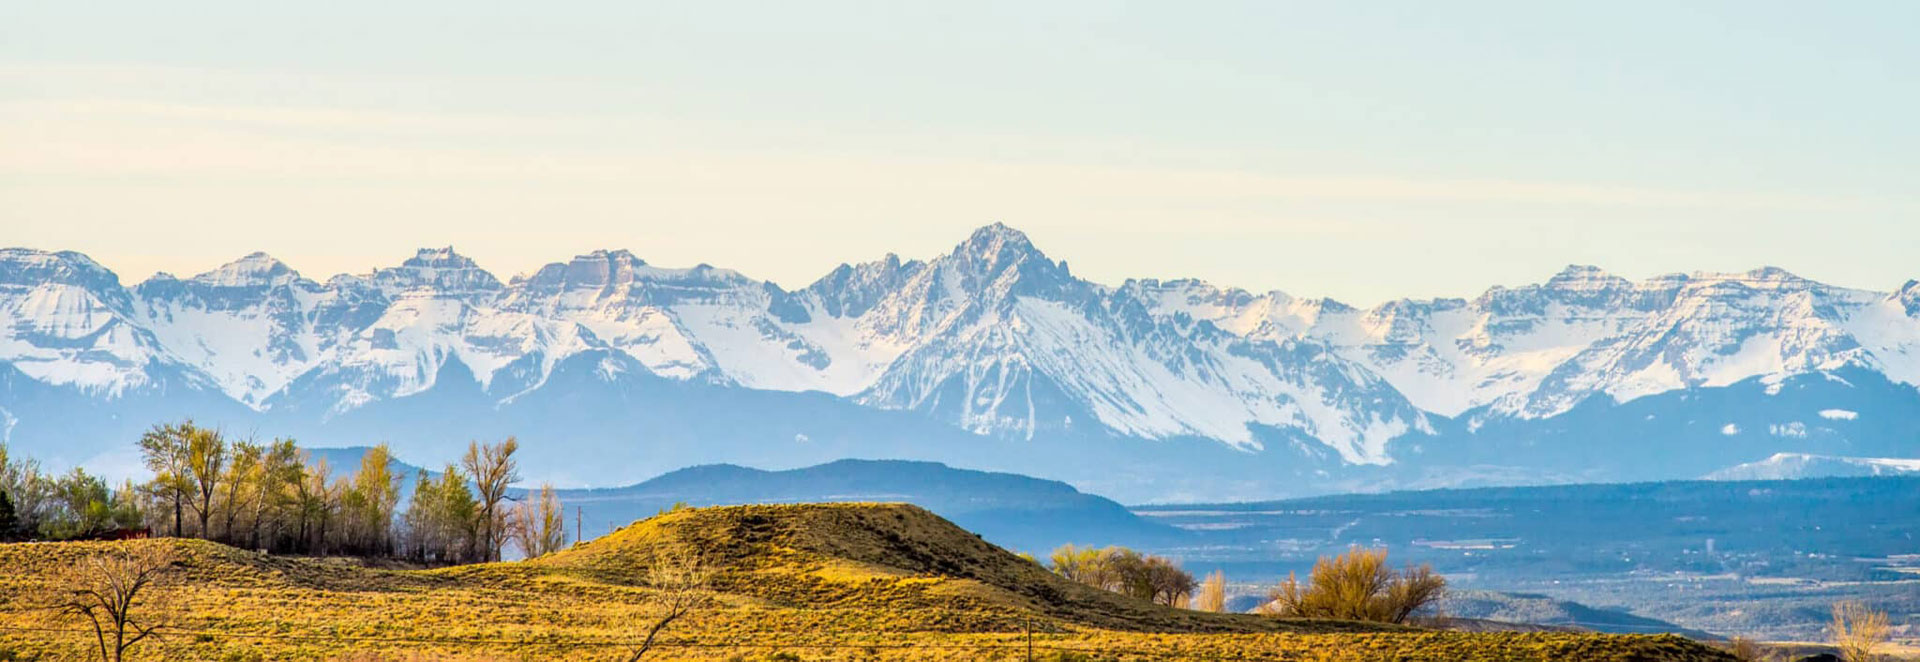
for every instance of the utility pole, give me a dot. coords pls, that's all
(576, 524)
(1029, 622)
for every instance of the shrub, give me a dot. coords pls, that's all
(1359, 586)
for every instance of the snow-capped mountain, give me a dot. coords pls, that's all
(993, 346)
(1788, 466)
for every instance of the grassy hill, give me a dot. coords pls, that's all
(838, 581)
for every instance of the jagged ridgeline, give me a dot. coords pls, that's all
(993, 355)
(838, 581)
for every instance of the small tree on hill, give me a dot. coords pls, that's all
(1858, 630)
(679, 584)
(120, 593)
(1359, 586)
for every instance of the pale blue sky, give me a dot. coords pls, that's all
(1360, 152)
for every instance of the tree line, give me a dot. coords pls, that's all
(1127, 572)
(274, 497)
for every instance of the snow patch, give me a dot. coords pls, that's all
(1839, 414)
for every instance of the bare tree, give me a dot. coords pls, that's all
(120, 592)
(492, 468)
(539, 525)
(679, 584)
(1858, 630)
(1213, 593)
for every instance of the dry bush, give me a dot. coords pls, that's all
(1746, 650)
(1858, 630)
(1358, 586)
(1213, 593)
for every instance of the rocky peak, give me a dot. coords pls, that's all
(1000, 258)
(1909, 297)
(24, 269)
(600, 269)
(1585, 278)
(851, 290)
(438, 269)
(256, 269)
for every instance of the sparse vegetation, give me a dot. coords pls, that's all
(1360, 586)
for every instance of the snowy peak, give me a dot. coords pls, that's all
(437, 271)
(599, 270)
(1908, 297)
(998, 260)
(66, 320)
(257, 269)
(992, 336)
(439, 258)
(852, 290)
(25, 268)
(1794, 466)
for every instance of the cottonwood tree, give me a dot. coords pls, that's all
(441, 518)
(164, 450)
(678, 584)
(315, 501)
(26, 490)
(235, 488)
(275, 487)
(492, 469)
(539, 525)
(120, 592)
(370, 501)
(1858, 630)
(206, 458)
(1358, 586)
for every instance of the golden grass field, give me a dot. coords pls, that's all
(790, 582)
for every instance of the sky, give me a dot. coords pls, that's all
(1363, 151)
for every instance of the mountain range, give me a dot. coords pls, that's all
(993, 356)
